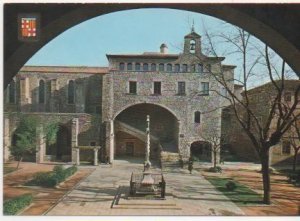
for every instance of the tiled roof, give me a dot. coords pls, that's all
(66, 69)
(144, 55)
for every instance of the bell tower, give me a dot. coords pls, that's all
(192, 43)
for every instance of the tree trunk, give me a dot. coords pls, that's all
(295, 160)
(266, 176)
(19, 162)
(215, 159)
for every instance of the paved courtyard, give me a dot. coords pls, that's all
(186, 194)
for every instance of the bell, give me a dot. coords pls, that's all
(192, 48)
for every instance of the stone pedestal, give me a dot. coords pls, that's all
(96, 156)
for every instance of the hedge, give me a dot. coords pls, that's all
(51, 179)
(13, 206)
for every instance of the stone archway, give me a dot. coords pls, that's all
(129, 128)
(201, 151)
(61, 150)
(265, 21)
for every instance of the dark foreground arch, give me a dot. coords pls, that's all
(275, 24)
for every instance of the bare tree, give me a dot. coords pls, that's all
(263, 129)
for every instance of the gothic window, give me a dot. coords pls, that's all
(42, 92)
(205, 88)
(161, 67)
(71, 92)
(197, 117)
(12, 92)
(122, 66)
(145, 67)
(157, 87)
(286, 147)
(129, 67)
(132, 87)
(137, 66)
(153, 67)
(184, 68)
(200, 68)
(192, 46)
(181, 88)
(177, 67)
(169, 67)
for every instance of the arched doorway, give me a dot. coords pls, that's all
(201, 151)
(130, 130)
(61, 150)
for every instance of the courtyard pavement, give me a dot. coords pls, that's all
(186, 194)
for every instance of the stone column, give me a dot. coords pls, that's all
(75, 149)
(6, 140)
(111, 142)
(24, 94)
(96, 156)
(80, 96)
(40, 145)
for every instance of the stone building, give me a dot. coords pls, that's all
(259, 99)
(107, 107)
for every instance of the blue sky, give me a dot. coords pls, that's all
(131, 31)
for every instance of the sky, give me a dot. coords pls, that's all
(131, 31)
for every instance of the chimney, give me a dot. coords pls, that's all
(164, 49)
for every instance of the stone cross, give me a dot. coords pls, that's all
(147, 158)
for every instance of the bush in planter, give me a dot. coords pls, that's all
(13, 206)
(216, 169)
(230, 185)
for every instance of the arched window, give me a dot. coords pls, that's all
(153, 67)
(12, 92)
(184, 68)
(145, 67)
(192, 46)
(177, 67)
(41, 92)
(121, 66)
(200, 68)
(137, 66)
(129, 67)
(161, 67)
(197, 117)
(169, 67)
(71, 92)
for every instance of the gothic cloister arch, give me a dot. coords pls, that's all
(276, 25)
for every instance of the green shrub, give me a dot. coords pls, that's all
(230, 185)
(216, 169)
(13, 206)
(51, 179)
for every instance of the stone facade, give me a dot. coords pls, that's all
(259, 98)
(24, 96)
(180, 92)
(107, 107)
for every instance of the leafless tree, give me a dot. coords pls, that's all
(277, 119)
